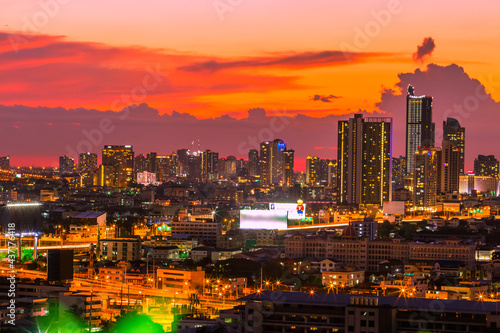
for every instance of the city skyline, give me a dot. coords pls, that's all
(58, 78)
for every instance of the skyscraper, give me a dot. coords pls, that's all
(265, 163)
(66, 164)
(152, 163)
(271, 162)
(120, 161)
(209, 165)
(140, 164)
(288, 162)
(253, 163)
(364, 158)
(425, 177)
(87, 162)
(398, 172)
(312, 170)
(87, 167)
(449, 166)
(419, 125)
(486, 166)
(453, 132)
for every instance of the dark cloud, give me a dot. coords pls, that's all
(306, 59)
(325, 98)
(24, 131)
(425, 49)
(456, 95)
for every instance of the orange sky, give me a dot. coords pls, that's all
(268, 54)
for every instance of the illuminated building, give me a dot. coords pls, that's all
(164, 164)
(182, 158)
(425, 177)
(5, 162)
(146, 178)
(66, 164)
(398, 172)
(140, 163)
(253, 163)
(449, 167)
(152, 162)
(127, 248)
(271, 162)
(471, 183)
(87, 162)
(204, 230)
(89, 305)
(174, 164)
(486, 166)
(332, 173)
(312, 170)
(120, 161)
(209, 166)
(288, 161)
(453, 132)
(419, 125)
(87, 167)
(228, 167)
(180, 280)
(364, 158)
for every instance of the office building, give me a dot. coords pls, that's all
(127, 248)
(210, 166)
(140, 164)
(253, 163)
(87, 162)
(419, 125)
(426, 177)
(163, 163)
(288, 162)
(486, 166)
(455, 133)
(312, 170)
(118, 166)
(398, 172)
(364, 158)
(5, 163)
(272, 162)
(450, 168)
(66, 165)
(152, 162)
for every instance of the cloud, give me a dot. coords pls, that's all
(306, 59)
(455, 95)
(325, 98)
(148, 130)
(425, 49)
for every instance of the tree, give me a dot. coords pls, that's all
(385, 230)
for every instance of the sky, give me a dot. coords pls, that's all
(216, 74)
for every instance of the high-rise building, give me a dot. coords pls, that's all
(419, 126)
(152, 163)
(453, 132)
(449, 167)
(277, 149)
(288, 162)
(194, 167)
(163, 163)
(426, 177)
(87, 162)
(253, 163)
(265, 163)
(332, 173)
(66, 164)
(5, 162)
(210, 165)
(312, 170)
(120, 161)
(174, 164)
(140, 164)
(182, 168)
(271, 162)
(364, 158)
(486, 166)
(398, 172)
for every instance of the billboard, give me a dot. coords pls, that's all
(263, 219)
(293, 209)
(59, 265)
